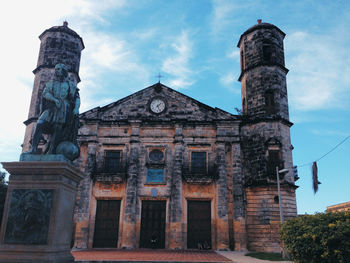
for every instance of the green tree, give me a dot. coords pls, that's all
(320, 238)
(3, 191)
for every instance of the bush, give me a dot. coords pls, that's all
(3, 190)
(320, 238)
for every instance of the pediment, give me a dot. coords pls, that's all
(177, 106)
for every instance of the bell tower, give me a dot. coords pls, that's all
(59, 44)
(265, 135)
(263, 73)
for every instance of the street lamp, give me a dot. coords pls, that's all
(278, 172)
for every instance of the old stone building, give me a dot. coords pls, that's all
(167, 171)
(342, 207)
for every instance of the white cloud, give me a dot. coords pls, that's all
(145, 34)
(331, 133)
(178, 65)
(234, 54)
(319, 70)
(222, 11)
(228, 13)
(21, 22)
(228, 79)
(110, 52)
(107, 55)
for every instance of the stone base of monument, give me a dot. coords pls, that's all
(38, 215)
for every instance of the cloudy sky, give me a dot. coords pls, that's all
(192, 43)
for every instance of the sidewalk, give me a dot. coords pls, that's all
(163, 256)
(239, 257)
(147, 255)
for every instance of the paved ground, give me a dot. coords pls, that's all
(148, 255)
(173, 256)
(239, 257)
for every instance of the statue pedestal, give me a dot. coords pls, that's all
(38, 215)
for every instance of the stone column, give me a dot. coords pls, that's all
(38, 215)
(239, 221)
(82, 208)
(175, 208)
(222, 224)
(129, 227)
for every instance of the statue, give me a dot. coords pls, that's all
(59, 117)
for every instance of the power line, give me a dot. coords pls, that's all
(335, 147)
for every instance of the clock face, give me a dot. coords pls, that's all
(157, 105)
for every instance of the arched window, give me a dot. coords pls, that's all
(267, 51)
(244, 105)
(242, 61)
(274, 156)
(270, 104)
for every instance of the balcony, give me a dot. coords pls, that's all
(116, 175)
(208, 176)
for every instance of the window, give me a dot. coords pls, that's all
(267, 51)
(270, 102)
(274, 160)
(156, 156)
(242, 61)
(243, 105)
(112, 161)
(199, 162)
(155, 172)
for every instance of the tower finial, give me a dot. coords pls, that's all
(65, 23)
(259, 21)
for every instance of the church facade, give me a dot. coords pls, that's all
(164, 170)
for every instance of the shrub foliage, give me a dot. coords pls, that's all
(320, 238)
(3, 190)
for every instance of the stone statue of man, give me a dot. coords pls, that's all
(59, 115)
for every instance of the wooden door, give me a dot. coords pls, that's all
(107, 223)
(153, 224)
(198, 224)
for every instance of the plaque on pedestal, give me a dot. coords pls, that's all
(38, 215)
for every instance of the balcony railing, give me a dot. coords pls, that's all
(117, 175)
(204, 177)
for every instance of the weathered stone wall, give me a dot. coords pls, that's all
(254, 149)
(261, 72)
(135, 139)
(262, 220)
(256, 83)
(241, 192)
(253, 40)
(264, 128)
(60, 45)
(86, 163)
(263, 216)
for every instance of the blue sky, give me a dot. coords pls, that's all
(193, 45)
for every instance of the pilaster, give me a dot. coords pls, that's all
(176, 232)
(82, 208)
(129, 228)
(222, 227)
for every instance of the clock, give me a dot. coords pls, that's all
(157, 105)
